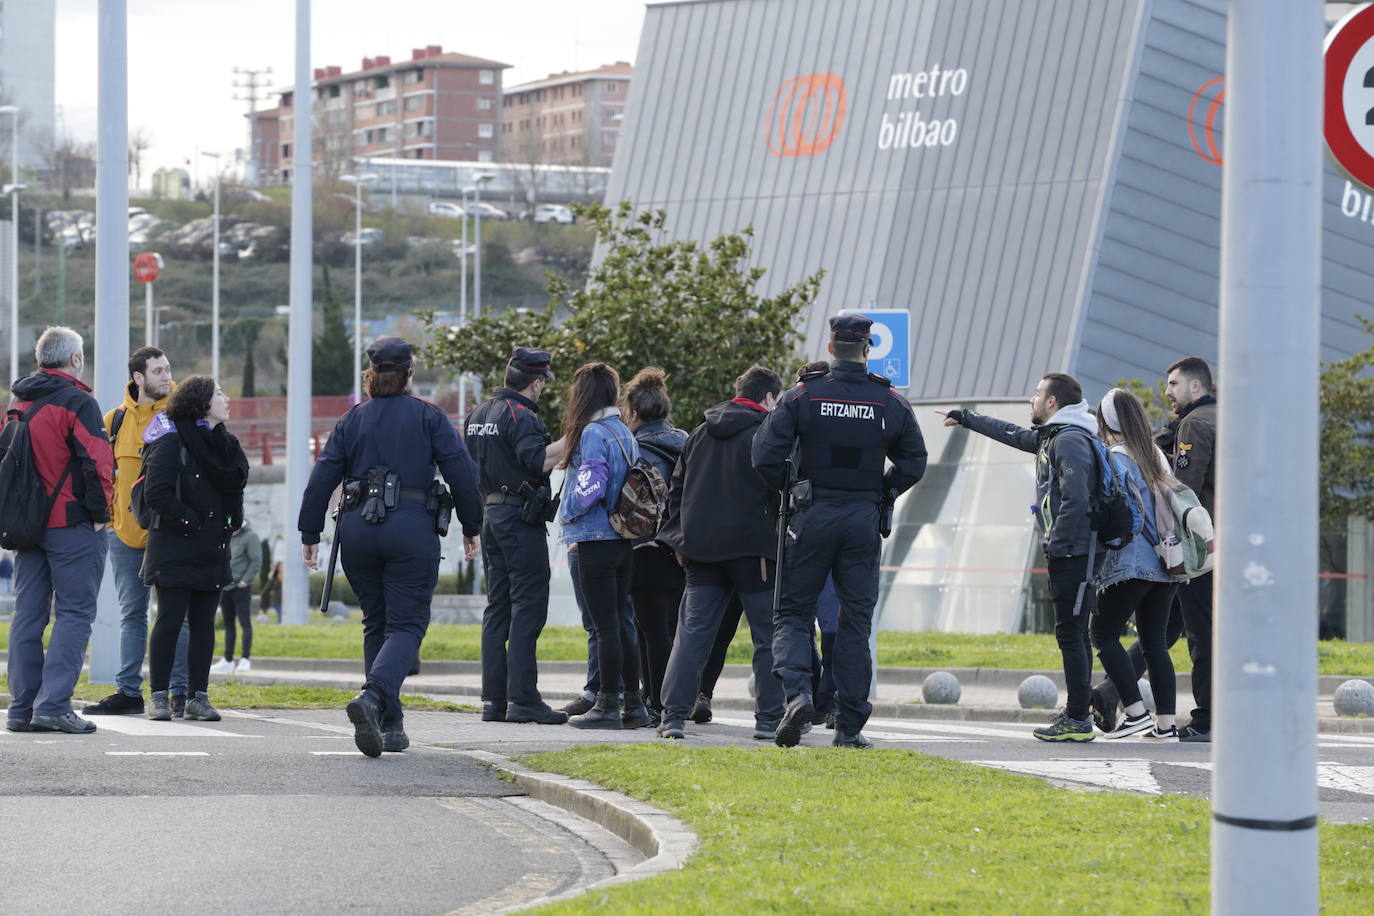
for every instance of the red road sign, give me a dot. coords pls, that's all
(147, 267)
(1349, 102)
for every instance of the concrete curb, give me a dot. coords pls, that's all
(662, 839)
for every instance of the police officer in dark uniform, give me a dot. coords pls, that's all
(385, 451)
(841, 424)
(514, 456)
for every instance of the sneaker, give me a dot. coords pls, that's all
(820, 718)
(492, 711)
(701, 710)
(765, 731)
(161, 708)
(1105, 707)
(856, 740)
(18, 725)
(1132, 725)
(198, 709)
(244, 666)
(71, 723)
(223, 666)
(578, 706)
(673, 729)
(178, 706)
(1062, 728)
(1166, 736)
(116, 704)
(1190, 735)
(830, 720)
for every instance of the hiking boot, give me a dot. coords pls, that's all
(70, 723)
(672, 728)
(1063, 728)
(18, 725)
(856, 740)
(365, 712)
(701, 710)
(1105, 704)
(198, 709)
(578, 706)
(1132, 725)
(830, 720)
(223, 666)
(394, 738)
(799, 713)
(1190, 735)
(494, 711)
(765, 731)
(634, 714)
(116, 704)
(537, 712)
(605, 713)
(1165, 736)
(178, 705)
(161, 710)
(820, 718)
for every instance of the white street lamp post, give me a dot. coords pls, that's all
(13, 190)
(358, 181)
(214, 280)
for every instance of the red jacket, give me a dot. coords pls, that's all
(66, 429)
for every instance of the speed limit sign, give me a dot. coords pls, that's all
(1349, 102)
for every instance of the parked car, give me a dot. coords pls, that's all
(369, 236)
(486, 210)
(450, 208)
(553, 213)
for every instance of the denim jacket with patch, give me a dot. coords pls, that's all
(596, 473)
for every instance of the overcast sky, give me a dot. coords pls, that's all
(182, 53)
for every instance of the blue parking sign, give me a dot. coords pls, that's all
(890, 354)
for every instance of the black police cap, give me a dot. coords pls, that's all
(389, 354)
(532, 361)
(852, 328)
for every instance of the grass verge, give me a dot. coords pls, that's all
(895, 831)
(233, 695)
(463, 642)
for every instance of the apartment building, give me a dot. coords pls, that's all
(435, 105)
(566, 118)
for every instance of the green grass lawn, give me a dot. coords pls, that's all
(233, 695)
(889, 831)
(462, 642)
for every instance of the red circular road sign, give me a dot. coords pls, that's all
(1349, 101)
(147, 267)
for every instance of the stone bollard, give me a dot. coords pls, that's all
(338, 610)
(1038, 692)
(941, 687)
(1354, 698)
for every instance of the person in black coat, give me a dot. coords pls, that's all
(194, 473)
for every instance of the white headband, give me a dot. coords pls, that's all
(1108, 410)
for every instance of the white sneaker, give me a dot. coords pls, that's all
(1132, 725)
(223, 666)
(244, 666)
(1166, 736)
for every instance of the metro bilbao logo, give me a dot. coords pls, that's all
(806, 115)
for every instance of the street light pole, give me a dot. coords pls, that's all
(358, 181)
(477, 267)
(214, 281)
(13, 112)
(463, 291)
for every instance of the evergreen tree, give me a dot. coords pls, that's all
(332, 367)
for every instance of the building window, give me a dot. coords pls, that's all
(486, 77)
(415, 102)
(485, 155)
(612, 88)
(485, 104)
(415, 76)
(422, 128)
(286, 150)
(334, 91)
(386, 108)
(485, 131)
(382, 82)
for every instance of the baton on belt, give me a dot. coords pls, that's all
(784, 512)
(333, 561)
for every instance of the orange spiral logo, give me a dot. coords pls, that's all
(1212, 153)
(806, 115)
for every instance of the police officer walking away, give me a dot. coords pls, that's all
(511, 446)
(841, 425)
(385, 451)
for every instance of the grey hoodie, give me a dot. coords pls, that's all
(1065, 465)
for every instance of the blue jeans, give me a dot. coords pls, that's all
(126, 562)
(627, 621)
(6, 586)
(61, 579)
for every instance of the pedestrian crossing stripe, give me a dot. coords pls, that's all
(1130, 774)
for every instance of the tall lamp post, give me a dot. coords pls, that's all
(482, 179)
(358, 181)
(214, 279)
(12, 189)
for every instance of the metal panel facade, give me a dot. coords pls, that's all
(946, 156)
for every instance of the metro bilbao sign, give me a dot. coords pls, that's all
(808, 112)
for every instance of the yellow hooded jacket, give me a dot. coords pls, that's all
(128, 453)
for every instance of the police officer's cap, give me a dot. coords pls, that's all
(532, 361)
(851, 328)
(389, 354)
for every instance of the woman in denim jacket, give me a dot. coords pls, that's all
(1133, 580)
(597, 467)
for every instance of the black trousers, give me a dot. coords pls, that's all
(393, 568)
(656, 594)
(1195, 603)
(1074, 599)
(236, 605)
(1151, 603)
(604, 569)
(725, 634)
(516, 557)
(175, 606)
(839, 538)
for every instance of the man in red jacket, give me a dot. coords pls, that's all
(75, 464)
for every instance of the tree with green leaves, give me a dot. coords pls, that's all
(1158, 410)
(693, 309)
(332, 366)
(1347, 436)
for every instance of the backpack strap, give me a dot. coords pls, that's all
(116, 422)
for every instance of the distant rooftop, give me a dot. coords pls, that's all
(618, 69)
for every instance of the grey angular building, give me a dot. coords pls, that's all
(1037, 181)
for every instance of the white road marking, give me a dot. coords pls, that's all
(147, 728)
(1132, 775)
(880, 735)
(157, 753)
(1346, 778)
(336, 753)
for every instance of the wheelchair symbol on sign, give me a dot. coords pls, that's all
(891, 368)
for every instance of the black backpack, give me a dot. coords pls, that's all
(138, 501)
(24, 503)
